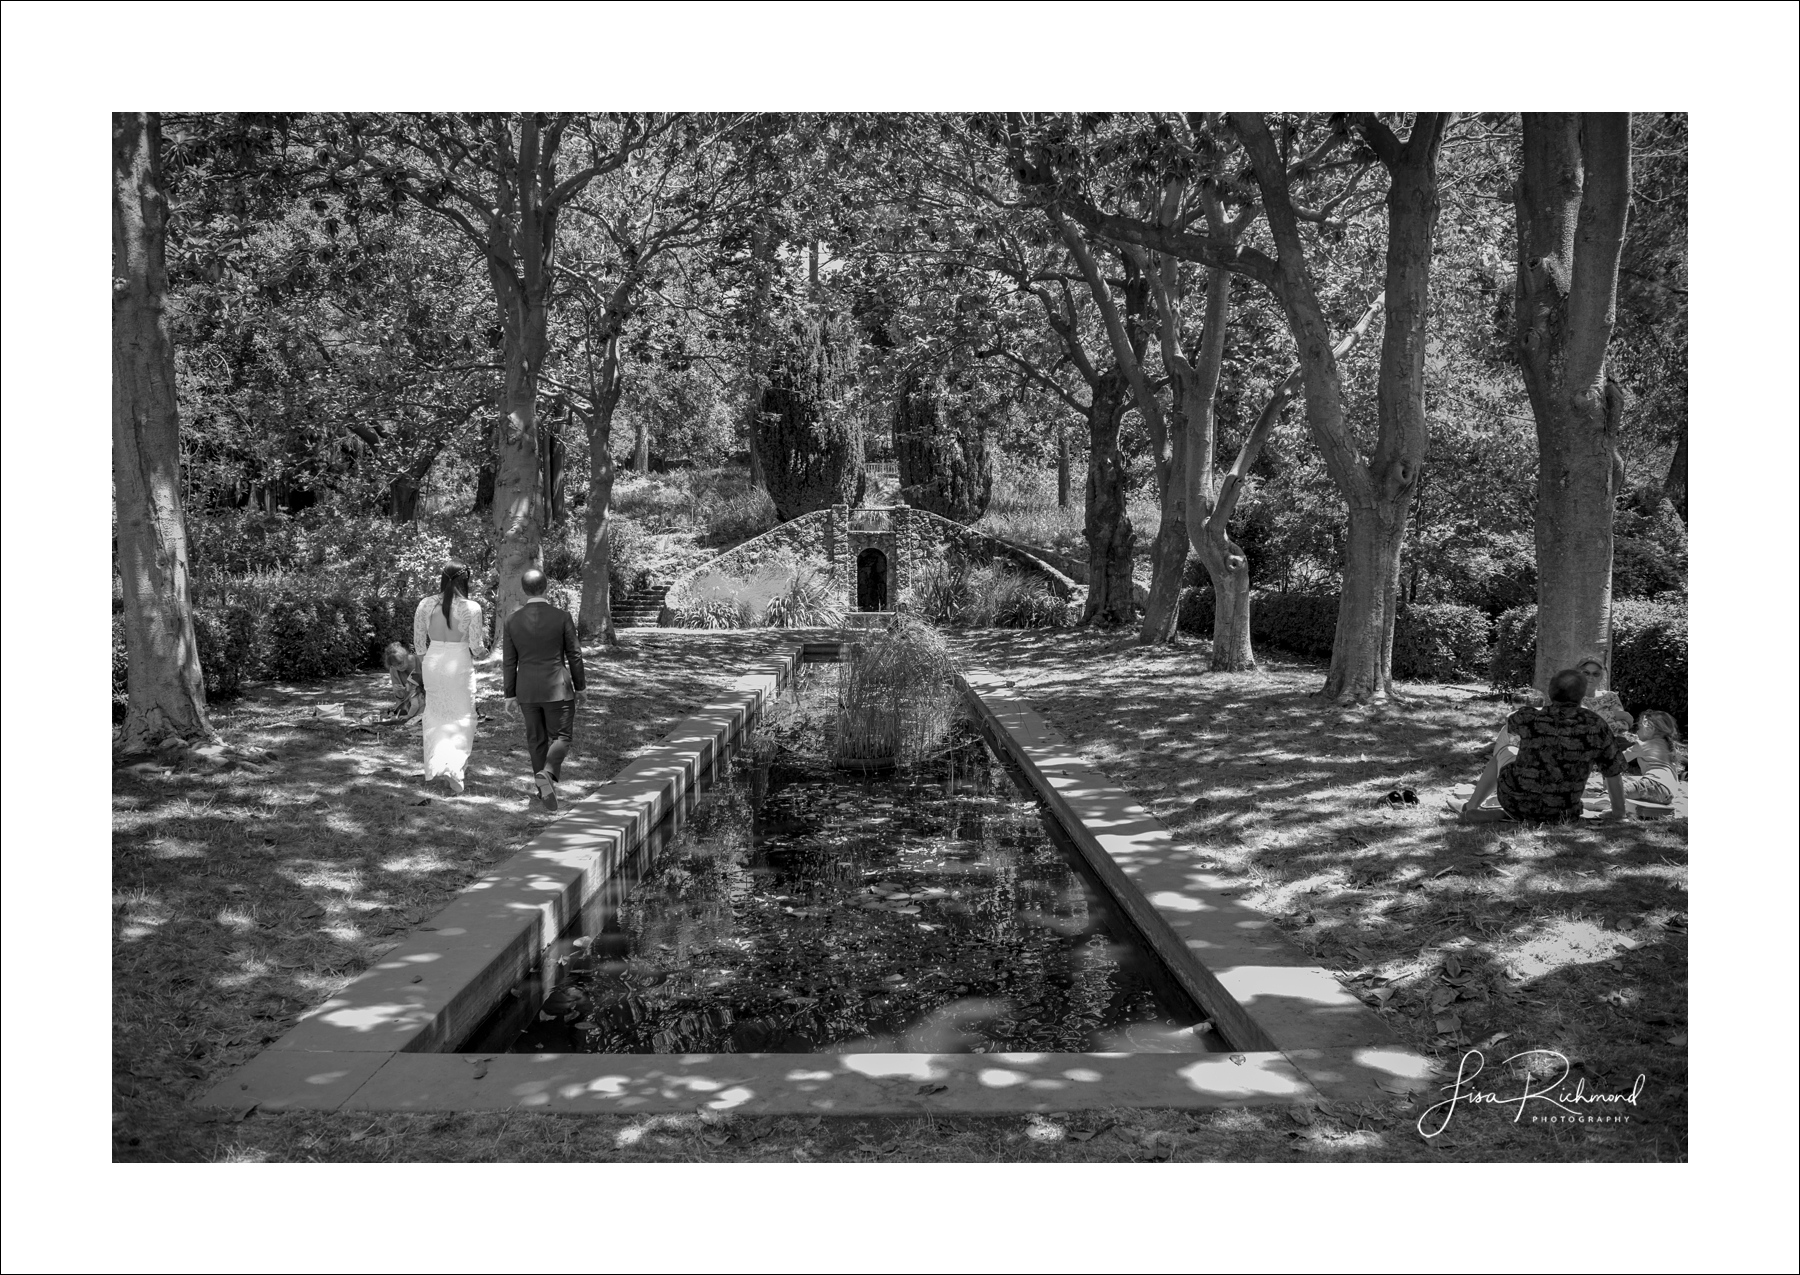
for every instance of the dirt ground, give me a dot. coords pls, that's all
(242, 897)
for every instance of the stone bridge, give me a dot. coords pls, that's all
(872, 553)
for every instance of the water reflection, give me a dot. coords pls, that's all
(802, 910)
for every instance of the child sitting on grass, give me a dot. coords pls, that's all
(1538, 773)
(1654, 753)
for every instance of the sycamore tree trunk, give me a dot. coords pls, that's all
(1573, 197)
(518, 498)
(1107, 526)
(168, 697)
(596, 562)
(1169, 551)
(1378, 490)
(1209, 503)
(554, 454)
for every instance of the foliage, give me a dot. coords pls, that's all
(780, 592)
(1650, 654)
(311, 631)
(733, 519)
(992, 595)
(1194, 612)
(1303, 624)
(227, 636)
(809, 422)
(1514, 662)
(940, 441)
(1650, 552)
(1440, 642)
(808, 602)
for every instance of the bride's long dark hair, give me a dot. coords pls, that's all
(454, 583)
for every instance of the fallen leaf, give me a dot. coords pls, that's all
(1395, 1085)
(1300, 1115)
(1448, 1024)
(930, 1089)
(1452, 966)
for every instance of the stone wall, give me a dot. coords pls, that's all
(810, 538)
(925, 535)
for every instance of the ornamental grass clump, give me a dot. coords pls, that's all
(897, 696)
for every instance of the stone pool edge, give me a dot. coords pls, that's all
(1261, 991)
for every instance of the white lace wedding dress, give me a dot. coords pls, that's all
(449, 650)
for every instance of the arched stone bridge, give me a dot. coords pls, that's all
(872, 553)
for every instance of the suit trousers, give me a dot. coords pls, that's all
(549, 730)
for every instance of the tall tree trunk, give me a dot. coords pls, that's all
(1675, 485)
(168, 696)
(1573, 197)
(518, 502)
(640, 447)
(405, 486)
(1108, 528)
(484, 488)
(1378, 491)
(554, 455)
(605, 385)
(1062, 464)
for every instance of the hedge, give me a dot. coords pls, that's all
(1439, 641)
(1649, 653)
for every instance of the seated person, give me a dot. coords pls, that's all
(1654, 753)
(409, 683)
(1539, 778)
(1599, 698)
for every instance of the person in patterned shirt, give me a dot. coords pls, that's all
(1557, 746)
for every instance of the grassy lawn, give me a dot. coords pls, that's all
(243, 897)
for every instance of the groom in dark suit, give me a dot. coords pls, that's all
(544, 681)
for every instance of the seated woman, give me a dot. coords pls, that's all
(1539, 777)
(1654, 753)
(1601, 699)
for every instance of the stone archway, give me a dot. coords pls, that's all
(872, 580)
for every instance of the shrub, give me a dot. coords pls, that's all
(1514, 662)
(1650, 655)
(732, 519)
(1440, 642)
(1194, 611)
(313, 631)
(1650, 553)
(936, 590)
(998, 595)
(1303, 624)
(563, 554)
(629, 560)
(807, 602)
(121, 697)
(226, 636)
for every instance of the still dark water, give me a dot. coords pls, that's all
(803, 910)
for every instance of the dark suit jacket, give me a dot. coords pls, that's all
(543, 658)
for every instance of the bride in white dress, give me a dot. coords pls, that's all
(448, 634)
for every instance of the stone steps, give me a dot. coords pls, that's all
(641, 608)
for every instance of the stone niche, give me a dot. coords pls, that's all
(868, 555)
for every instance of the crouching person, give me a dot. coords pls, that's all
(1540, 775)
